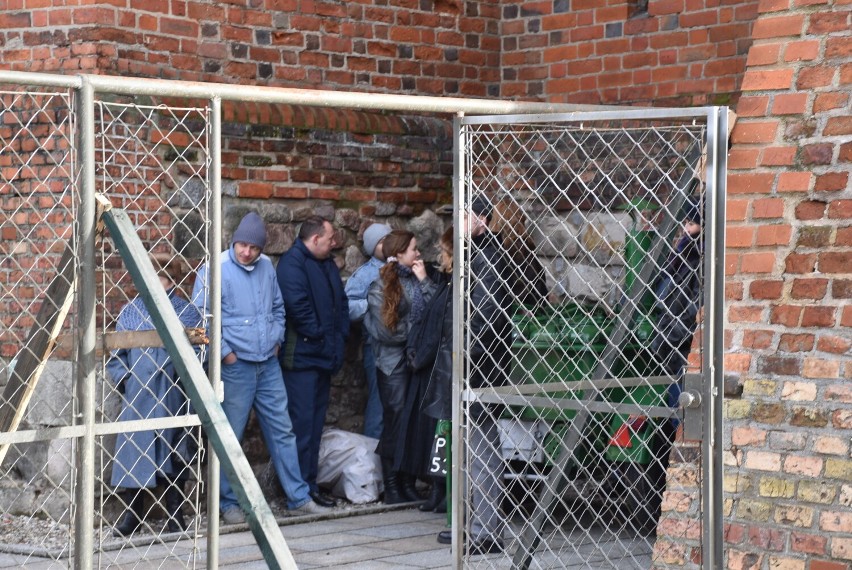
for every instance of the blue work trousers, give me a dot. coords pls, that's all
(259, 385)
(308, 392)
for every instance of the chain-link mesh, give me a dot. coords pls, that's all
(581, 297)
(36, 286)
(154, 163)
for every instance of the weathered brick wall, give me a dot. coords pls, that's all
(431, 47)
(676, 53)
(586, 51)
(788, 469)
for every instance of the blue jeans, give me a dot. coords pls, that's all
(259, 385)
(308, 392)
(373, 410)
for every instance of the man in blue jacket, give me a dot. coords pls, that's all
(252, 333)
(317, 324)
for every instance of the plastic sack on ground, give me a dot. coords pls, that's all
(349, 466)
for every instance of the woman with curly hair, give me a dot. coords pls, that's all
(397, 300)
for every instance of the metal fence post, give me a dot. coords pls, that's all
(85, 415)
(712, 466)
(459, 265)
(215, 299)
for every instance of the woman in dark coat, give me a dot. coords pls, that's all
(394, 302)
(525, 275)
(150, 389)
(431, 359)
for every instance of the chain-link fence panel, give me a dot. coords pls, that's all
(37, 272)
(582, 287)
(153, 162)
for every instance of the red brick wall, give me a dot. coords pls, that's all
(440, 47)
(789, 265)
(681, 52)
(678, 53)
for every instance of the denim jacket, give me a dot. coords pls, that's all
(252, 307)
(358, 285)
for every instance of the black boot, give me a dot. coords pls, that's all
(174, 502)
(436, 495)
(134, 512)
(407, 489)
(392, 495)
(441, 507)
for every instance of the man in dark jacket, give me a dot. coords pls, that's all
(317, 324)
(489, 329)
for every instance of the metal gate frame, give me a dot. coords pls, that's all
(85, 88)
(709, 397)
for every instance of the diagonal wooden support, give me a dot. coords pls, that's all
(38, 346)
(41, 342)
(195, 382)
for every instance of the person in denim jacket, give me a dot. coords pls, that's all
(356, 290)
(252, 334)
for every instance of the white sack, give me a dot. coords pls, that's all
(349, 466)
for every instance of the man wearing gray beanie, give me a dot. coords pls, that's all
(252, 334)
(356, 291)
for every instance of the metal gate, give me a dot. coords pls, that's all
(588, 410)
(64, 139)
(61, 441)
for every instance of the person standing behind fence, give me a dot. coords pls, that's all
(147, 380)
(252, 333)
(489, 330)
(677, 293)
(317, 326)
(431, 355)
(525, 275)
(395, 301)
(356, 291)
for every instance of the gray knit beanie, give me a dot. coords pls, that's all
(251, 230)
(373, 235)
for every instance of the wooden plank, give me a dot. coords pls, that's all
(33, 355)
(220, 435)
(66, 344)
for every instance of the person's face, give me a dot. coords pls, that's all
(246, 253)
(323, 243)
(410, 255)
(379, 252)
(691, 228)
(166, 282)
(474, 224)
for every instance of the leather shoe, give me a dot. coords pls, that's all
(322, 499)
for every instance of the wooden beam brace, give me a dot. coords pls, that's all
(228, 449)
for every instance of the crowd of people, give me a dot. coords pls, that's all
(283, 333)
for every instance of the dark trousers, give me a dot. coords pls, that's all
(393, 388)
(308, 394)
